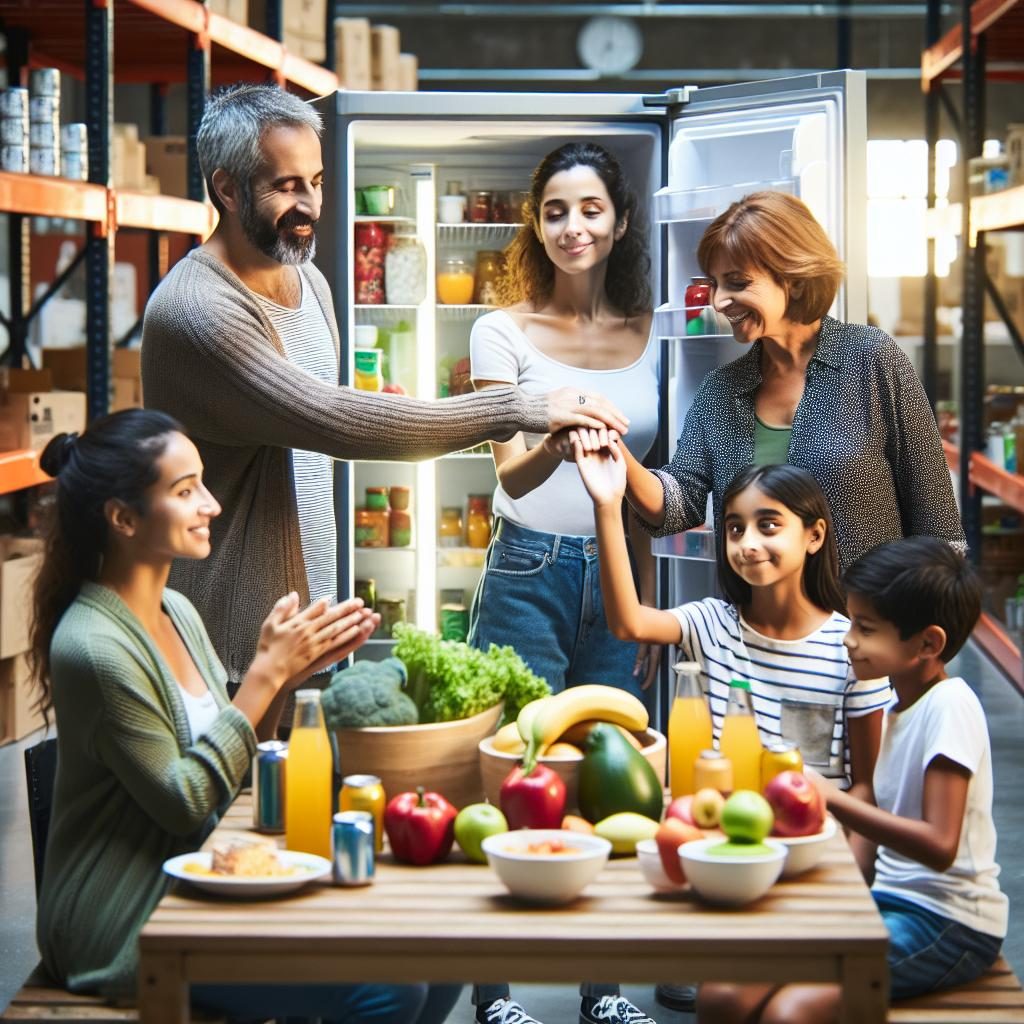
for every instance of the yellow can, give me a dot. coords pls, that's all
(712, 771)
(778, 757)
(365, 793)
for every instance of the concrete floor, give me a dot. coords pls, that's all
(551, 1004)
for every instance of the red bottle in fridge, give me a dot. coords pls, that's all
(371, 247)
(697, 295)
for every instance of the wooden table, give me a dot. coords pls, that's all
(456, 923)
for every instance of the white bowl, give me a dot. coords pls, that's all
(731, 880)
(653, 870)
(546, 878)
(805, 851)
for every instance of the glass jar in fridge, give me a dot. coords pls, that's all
(370, 254)
(490, 265)
(405, 270)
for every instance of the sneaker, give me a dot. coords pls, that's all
(503, 1011)
(612, 1010)
(682, 998)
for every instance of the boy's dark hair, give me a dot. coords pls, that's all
(919, 582)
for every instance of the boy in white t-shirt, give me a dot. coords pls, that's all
(923, 835)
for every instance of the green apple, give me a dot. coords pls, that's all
(747, 817)
(473, 824)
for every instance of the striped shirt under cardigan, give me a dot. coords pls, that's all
(863, 428)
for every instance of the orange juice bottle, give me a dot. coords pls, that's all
(689, 727)
(740, 741)
(308, 781)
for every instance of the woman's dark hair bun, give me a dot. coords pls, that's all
(58, 451)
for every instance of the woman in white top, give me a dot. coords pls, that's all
(576, 313)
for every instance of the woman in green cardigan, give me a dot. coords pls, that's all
(150, 748)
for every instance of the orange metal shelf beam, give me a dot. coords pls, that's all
(952, 454)
(987, 476)
(992, 638)
(940, 57)
(163, 213)
(52, 197)
(20, 469)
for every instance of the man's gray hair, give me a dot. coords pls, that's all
(233, 126)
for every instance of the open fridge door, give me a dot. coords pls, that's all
(804, 135)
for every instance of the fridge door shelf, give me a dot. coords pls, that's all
(466, 456)
(386, 548)
(385, 218)
(461, 558)
(476, 234)
(696, 545)
(691, 321)
(470, 311)
(384, 316)
(671, 206)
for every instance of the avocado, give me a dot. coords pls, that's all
(615, 777)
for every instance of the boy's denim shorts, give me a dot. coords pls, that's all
(541, 594)
(928, 952)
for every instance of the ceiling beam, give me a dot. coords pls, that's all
(527, 9)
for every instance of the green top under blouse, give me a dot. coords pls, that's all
(771, 444)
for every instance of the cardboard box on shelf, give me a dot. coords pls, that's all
(12, 378)
(18, 715)
(385, 50)
(68, 365)
(352, 52)
(408, 72)
(128, 158)
(22, 557)
(31, 419)
(236, 10)
(167, 160)
(305, 22)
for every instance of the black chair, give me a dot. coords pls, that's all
(40, 773)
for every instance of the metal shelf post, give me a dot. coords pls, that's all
(197, 75)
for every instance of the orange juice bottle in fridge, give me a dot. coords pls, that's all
(689, 727)
(740, 741)
(308, 782)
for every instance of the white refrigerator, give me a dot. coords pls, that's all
(688, 153)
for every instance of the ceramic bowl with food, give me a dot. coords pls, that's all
(805, 852)
(653, 870)
(731, 880)
(546, 865)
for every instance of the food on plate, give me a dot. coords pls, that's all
(707, 807)
(551, 718)
(533, 799)
(798, 806)
(615, 777)
(574, 823)
(370, 693)
(244, 857)
(625, 829)
(545, 848)
(671, 834)
(746, 817)
(473, 824)
(420, 827)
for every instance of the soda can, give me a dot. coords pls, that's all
(352, 848)
(454, 622)
(778, 757)
(13, 131)
(44, 109)
(712, 771)
(43, 161)
(44, 135)
(44, 82)
(14, 103)
(365, 793)
(74, 137)
(14, 157)
(268, 772)
(74, 166)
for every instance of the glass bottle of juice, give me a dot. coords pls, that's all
(308, 781)
(740, 741)
(689, 727)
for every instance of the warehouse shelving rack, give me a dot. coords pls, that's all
(160, 42)
(994, 50)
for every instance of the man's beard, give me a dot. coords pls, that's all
(276, 240)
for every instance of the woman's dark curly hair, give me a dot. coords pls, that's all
(530, 275)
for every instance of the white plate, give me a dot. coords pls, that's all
(311, 867)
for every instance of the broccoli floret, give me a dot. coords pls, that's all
(368, 693)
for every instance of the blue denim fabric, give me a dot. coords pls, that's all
(344, 1004)
(928, 952)
(541, 593)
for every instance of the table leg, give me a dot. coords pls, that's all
(865, 998)
(163, 990)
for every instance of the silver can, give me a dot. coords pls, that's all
(268, 778)
(43, 161)
(352, 848)
(14, 103)
(74, 137)
(44, 109)
(74, 166)
(44, 136)
(14, 158)
(13, 131)
(44, 82)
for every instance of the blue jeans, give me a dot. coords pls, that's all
(541, 594)
(928, 952)
(346, 1004)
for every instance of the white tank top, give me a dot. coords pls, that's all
(500, 351)
(201, 712)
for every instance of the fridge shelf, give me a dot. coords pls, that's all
(384, 218)
(387, 549)
(475, 234)
(380, 641)
(461, 558)
(671, 206)
(673, 322)
(384, 315)
(465, 456)
(696, 545)
(470, 311)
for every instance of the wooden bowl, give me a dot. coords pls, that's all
(496, 764)
(440, 756)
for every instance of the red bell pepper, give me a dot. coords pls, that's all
(420, 827)
(533, 800)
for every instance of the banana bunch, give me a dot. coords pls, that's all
(545, 722)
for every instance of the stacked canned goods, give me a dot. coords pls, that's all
(14, 130)
(44, 121)
(74, 151)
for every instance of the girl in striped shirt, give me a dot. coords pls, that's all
(781, 624)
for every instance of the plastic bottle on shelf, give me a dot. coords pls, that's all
(405, 270)
(368, 375)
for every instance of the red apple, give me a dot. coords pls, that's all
(671, 834)
(799, 807)
(681, 809)
(393, 389)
